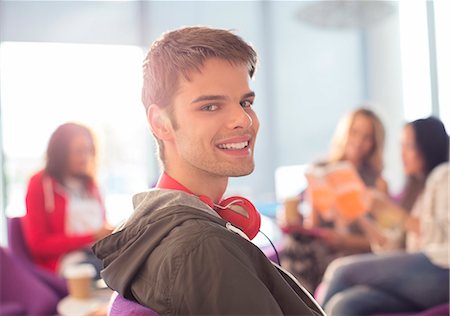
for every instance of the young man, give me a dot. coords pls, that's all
(176, 255)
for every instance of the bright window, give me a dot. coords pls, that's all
(415, 59)
(46, 84)
(442, 25)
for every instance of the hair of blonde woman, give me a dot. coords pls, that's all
(374, 160)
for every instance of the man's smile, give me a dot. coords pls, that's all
(236, 145)
(232, 146)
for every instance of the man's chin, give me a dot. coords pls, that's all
(241, 172)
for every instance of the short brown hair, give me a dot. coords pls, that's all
(182, 51)
(186, 49)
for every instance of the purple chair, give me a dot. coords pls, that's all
(19, 250)
(21, 292)
(439, 310)
(120, 306)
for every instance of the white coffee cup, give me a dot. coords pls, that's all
(79, 280)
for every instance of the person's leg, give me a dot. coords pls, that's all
(362, 300)
(336, 277)
(410, 277)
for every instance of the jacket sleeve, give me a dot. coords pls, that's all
(41, 239)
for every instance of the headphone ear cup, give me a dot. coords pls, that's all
(242, 213)
(237, 210)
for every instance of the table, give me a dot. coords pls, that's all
(99, 301)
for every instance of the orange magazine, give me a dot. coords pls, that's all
(337, 187)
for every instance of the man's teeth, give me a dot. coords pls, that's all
(234, 145)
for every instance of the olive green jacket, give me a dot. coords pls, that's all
(176, 256)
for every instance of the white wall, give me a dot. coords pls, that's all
(318, 77)
(385, 88)
(103, 22)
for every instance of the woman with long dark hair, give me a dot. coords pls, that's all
(65, 213)
(418, 278)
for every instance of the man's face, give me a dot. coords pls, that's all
(216, 126)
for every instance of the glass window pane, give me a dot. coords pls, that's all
(442, 25)
(415, 59)
(47, 84)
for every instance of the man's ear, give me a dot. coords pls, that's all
(159, 121)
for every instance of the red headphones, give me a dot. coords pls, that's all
(237, 210)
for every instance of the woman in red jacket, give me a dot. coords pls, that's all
(65, 213)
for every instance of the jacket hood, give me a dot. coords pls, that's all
(157, 213)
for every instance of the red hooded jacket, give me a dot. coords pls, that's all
(44, 222)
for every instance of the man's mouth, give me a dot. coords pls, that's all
(234, 146)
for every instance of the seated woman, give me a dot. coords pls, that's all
(359, 140)
(65, 213)
(415, 279)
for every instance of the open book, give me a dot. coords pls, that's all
(337, 188)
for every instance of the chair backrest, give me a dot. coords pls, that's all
(120, 306)
(19, 249)
(20, 289)
(16, 240)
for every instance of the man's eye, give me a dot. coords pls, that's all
(246, 103)
(210, 107)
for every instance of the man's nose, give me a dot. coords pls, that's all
(239, 118)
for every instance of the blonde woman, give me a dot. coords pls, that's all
(359, 140)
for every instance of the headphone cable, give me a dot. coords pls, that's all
(273, 246)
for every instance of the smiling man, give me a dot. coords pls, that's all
(185, 250)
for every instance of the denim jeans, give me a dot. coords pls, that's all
(383, 283)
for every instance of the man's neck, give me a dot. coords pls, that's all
(201, 183)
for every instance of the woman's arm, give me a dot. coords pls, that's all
(344, 241)
(430, 217)
(382, 186)
(42, 240)
(380, 203)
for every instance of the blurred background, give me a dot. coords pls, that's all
(81, 61)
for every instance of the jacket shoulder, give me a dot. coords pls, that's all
(197, 250)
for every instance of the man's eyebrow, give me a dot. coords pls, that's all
(208, 98)
(203, 98)
(248, 95)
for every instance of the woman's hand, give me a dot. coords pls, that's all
(106, 230)
(375, 199)
(344, 241)
(332, 238)
(412, 225)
